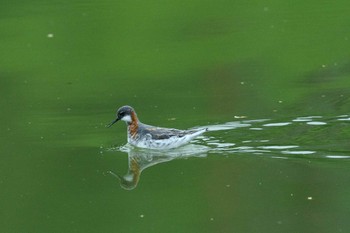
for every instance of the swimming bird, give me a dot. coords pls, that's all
(152, 137)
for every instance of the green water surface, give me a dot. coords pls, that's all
(270, 79)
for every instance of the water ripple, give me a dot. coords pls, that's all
(305, 136)
(277, 124)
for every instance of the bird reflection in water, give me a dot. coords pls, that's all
(140, 159)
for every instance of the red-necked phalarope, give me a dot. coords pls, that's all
(152, 137)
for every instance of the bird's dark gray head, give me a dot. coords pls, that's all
(125, 113)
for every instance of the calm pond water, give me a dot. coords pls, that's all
(271, 81)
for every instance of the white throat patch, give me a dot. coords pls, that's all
(126, 118)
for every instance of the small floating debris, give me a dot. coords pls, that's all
(240, 117)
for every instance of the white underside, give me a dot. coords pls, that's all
(173, 142)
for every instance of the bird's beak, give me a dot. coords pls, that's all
(110, 124)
